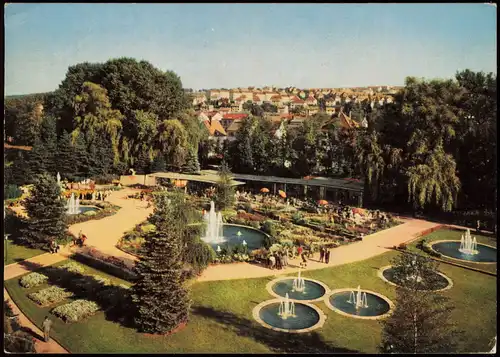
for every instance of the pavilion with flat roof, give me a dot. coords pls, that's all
(349, 191)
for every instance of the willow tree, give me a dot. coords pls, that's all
(432, 177)
(94, 116)
(172, 142)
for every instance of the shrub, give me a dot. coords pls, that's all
(89, 213)
(269, 227)
(254, 224)
(102, 280)
(107, 267)
(402, 246)
(32, 280)
(12, 191)
(50, 295)
(148, 228)
(297, 218)
(76, 310)
(73, 267)
(247, 206)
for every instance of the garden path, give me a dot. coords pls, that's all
(371, 245)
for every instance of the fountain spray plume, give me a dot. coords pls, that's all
(468, 245)
(73, 205)
(287, 308)
(299, 284)
(214, 226)
(358, 299)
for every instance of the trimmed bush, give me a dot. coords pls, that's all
(50, 295)
(76, 310)
(73, 267)
(33, 279)
(102, 280)
(148, 228)
(89, 213)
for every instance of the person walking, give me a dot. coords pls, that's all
(47, 324)
(277, 256)
(299, 250)
(285, 257)
(327, 256)
(272, 262)
(321, 254)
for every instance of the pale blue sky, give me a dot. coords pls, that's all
(232, 45)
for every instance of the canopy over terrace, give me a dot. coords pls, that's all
(211, 177)
(347, 190)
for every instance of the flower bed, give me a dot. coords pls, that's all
(102, 280)
(76, 310)
(50, 295)
(33, 279)
(73, 267)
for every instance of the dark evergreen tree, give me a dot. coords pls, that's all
(37, 158)
(143, 163)
(66, 158)
(192, 165)
(160, 299)
(82, 162)
(46, 213)
(21, 173)
(48, 133)
(158, 164)
(106, 155)
(224, 191)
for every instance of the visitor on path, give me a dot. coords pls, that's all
(304, 259)
(272, 262)
(47, 324)
(321, 254)
(300, 250)
(82, 240)
(54, 247)
(285, 257)
(327, 256)
(278, 261)
(478, 226)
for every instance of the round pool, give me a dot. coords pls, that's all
(312, 290)
(84, 209)
(450, 249)
(434, 282)
(306, 317)
(377, 306)
(253, 237)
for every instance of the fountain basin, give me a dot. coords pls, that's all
(441, 281)
(314, 290)
(379, 306)
(486, 254)
(84, 209)
(307, 317)
(253, 237)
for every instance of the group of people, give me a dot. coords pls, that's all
(279, 259)
(324, 255)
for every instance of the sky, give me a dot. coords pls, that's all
(240, 45)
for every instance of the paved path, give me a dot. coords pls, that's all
(370, 246)
(40, 345)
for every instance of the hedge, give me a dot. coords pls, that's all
(106, 267)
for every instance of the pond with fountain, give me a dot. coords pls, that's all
(73, 206)
(359, 303)
(218, 234)
(297, 288)
(466, 249)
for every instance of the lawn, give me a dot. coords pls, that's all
(14, 253)
(221, 317)
(451, 234)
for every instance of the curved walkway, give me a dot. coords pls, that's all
(370, 246)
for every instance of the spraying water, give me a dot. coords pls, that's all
(358, 299)
(467, 244)
(287, 308)
(299, 284)
(73, 205)
(214, 230)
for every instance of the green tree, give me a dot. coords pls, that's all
(420, 323)
(224, 191)
(158, 164)
(21, 172)
(160, 298)
(37, 158)
(82, 160)
(192, 165)
(48, 133)
(143, 163)
(172, 143)
(46, 213)
(66, 157)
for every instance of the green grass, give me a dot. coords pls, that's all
(14, 253)
(221, 317)
(451, 234)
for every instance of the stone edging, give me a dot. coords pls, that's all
(248, 227)
(269, 288)
(330, 306)
(380, 274)
(319, 324)
(460, 260)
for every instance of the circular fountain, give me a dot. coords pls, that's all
(73, 206)
(360, 304)
(466, 249)
(219, 233)
(438, 282)
(298, 288)
(285, 315)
